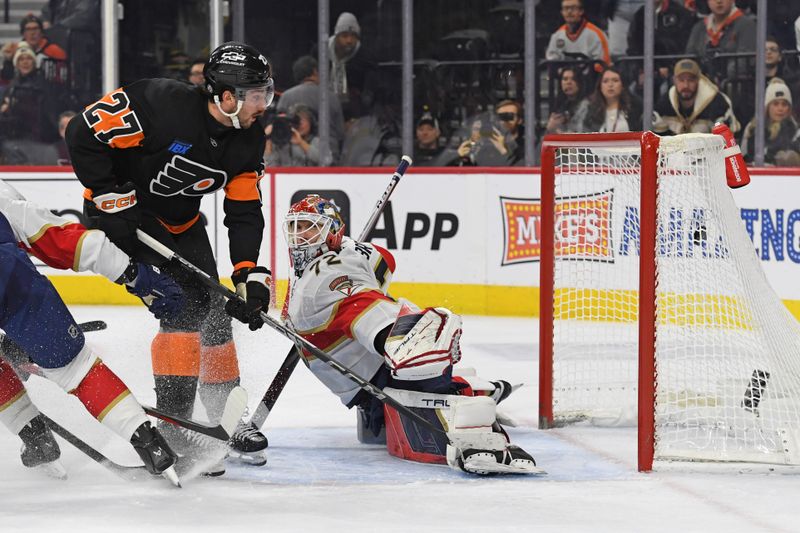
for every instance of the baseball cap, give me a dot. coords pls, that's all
(428, 118)
(689, 66)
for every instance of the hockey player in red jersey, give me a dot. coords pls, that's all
(37, 323)
(147, 154)
(338, 301)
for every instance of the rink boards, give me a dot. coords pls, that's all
(464, 238)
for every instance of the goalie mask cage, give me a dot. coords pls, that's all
(654, 308)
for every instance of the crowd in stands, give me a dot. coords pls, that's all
(470, 103)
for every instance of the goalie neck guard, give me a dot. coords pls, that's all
(312, 227)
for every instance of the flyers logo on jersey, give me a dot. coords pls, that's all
(114, 122)
(183, 176)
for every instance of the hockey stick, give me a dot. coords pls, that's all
(290, 362)
(92, 325)
(129, 473)
(235, 407)
(234, 410)
(12, 351)
(216, 286)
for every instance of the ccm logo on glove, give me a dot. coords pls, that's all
(113, 202)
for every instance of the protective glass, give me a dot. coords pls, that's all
(507, 117)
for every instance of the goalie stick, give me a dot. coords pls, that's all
(284, 330)
(290, 362)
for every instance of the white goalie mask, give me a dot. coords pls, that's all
(312, 227)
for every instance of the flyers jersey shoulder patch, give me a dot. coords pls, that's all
(113, 122)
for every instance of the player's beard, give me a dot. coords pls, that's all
(249, 120)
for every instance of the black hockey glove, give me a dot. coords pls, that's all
(159, 292)
(119, 216)
(252, 285)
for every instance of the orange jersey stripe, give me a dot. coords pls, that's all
(244, 187)
(603, 41)
(179, 228)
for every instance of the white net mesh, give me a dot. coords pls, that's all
(727, 351)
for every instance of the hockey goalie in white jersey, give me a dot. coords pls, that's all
(338, 301)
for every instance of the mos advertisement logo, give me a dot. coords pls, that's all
(582, 228)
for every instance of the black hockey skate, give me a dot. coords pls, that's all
(40, 449)
(157, 456)
(198, 454)
(248, 444)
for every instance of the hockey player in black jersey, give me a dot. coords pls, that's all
(147, 153)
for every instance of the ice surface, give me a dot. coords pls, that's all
(319, 478)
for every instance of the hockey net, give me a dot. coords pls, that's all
(654, 308)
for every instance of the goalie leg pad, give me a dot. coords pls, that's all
(476, 442)
(424, 345)
(467, 420)
(407, 439)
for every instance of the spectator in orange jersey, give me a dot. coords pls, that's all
(32, 32)
(577, 36)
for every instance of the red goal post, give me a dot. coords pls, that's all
(648, 144)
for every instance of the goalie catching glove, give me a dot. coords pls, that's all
(159, 292)
(252, 286)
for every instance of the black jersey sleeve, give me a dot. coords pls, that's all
(112, 123)
(243, 214)
(245, 224)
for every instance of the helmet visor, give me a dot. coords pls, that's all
(257, 96)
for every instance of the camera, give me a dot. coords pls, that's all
(282, 129)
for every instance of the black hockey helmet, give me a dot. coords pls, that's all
(234, 65)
